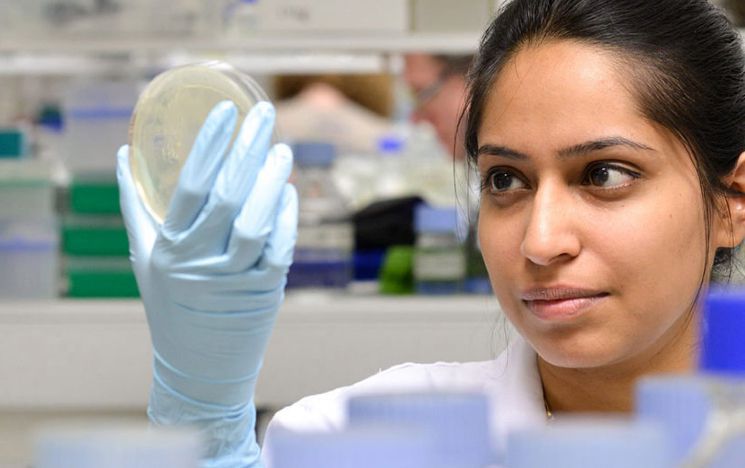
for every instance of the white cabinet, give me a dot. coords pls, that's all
(95, 355)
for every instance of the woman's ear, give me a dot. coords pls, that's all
(730, 233)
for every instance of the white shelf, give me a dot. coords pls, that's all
(308, 53)
(30, 64)
(348, 53)
(361, 43)
(95, 355)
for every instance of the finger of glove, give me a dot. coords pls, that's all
(237, 286)
(141, 229)
(255, 222)
(210, 232)
(201, 169)
(281, 243)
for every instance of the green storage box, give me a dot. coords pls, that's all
(94, 194)
(100, 278)
(100, 236)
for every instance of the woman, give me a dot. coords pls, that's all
(609, 138)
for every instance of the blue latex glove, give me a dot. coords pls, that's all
(212, 278)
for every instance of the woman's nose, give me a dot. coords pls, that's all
(550, 235)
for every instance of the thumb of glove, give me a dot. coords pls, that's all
(142, 229)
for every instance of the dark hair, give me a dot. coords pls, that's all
(684, 58)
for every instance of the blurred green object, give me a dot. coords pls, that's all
(100, 278)
(397, 271)
(103, 236)
(94, 194)
(12, 143)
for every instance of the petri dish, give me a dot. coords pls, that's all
(168, 116)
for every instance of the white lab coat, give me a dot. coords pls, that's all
(511, 381)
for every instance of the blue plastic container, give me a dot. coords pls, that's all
(359, 447)
(705, 413)
(590, 442)
(459, 422)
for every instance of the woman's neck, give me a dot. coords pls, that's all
(610, 389)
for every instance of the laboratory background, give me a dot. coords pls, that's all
(367, 94)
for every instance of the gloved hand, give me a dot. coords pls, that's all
(212, 277)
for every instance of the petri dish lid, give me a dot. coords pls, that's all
(167, 118)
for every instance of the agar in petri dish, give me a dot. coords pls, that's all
(167, 118)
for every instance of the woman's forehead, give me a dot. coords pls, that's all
(561, 92)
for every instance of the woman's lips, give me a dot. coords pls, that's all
(560, 303)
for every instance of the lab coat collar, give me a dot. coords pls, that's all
(516, 391)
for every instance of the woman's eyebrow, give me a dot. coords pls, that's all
(587, 147)
(496, 150)
(580, 149)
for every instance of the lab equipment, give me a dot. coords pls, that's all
(99, 277)
(168, 116)
(705, 413)
(590, 441)
(94, 236)
(112, 18)
(28, 258)
(382, 16)
(27, 183)
(96, 262)
(439, 257)
(378, 228)
(29, 234)
(94, 240)
(371, 446)
(477, 277)
(116, 446)
(95, 194)
(392, 178)
(396, 272)
(458, 422)
(240, 18)
(323, 257)
(96, 116)
(212, 277)
(13, 143)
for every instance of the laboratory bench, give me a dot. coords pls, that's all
(94, 355)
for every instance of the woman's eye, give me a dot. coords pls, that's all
(503, 181)
(608, 176)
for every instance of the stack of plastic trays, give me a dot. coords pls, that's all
(607, 442)
(94, 241)
(372, 446)
(116, 445)
(457, 421)
(28, 231)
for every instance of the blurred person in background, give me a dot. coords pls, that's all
(351, 111)
(438, 86)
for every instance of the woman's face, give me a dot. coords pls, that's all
(591, 219)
